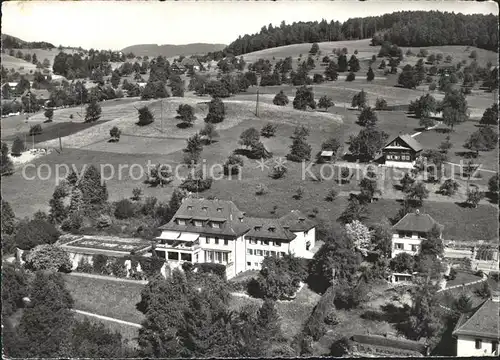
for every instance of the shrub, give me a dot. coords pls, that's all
(350, 77)
(73, 223)
(99, 265)
(115, 133)
(268, 130)
(17, 147)
(84, 266)
(453, 274)
(145, 116)
(484, 290)
(213, 268)
(372, 315)
(380, 104)
(332, 195)
(261, 189)
(124, 209)
(432, 86)
(35, 232)
(331, 319)
(216, 111)
(233, 165)
(35, 129)
(185, 112)
(280, 99)
(136, 194)
(48, 257)
(103, 221)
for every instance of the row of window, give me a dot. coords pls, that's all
(265, 242)
(217, 257)
(409, 234)
(400, 246)
(494, 345)
(217, 241)
(399, 157)
(199, 223)
(259, 252)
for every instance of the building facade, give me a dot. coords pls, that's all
(216, 231)
(401, 152)
(477, 332)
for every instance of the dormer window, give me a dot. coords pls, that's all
(272, 229)
(198, 223)
(190, 207)
(301, 220)
(257, 228)
(204, 208)
(181, 222)
(219, 209)
(216, 225)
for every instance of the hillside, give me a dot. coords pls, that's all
(12, 42)
(172, 50)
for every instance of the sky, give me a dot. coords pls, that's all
(117, 24)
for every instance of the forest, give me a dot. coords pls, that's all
(405, 28)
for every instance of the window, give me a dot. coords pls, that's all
(250, 251)
(215, 225)
(389, 157)
(273, 253)
(479, 343)
(218, 256)
(204, 208)
(414, 248)
(207, 240)
(253, 241)
(494, 347)
(196, 257)
(181, 222)
(421, 235)
(219, 209)
(398, 246)
(226, 242)
(258, 252)
(271, 229)
(401, 234)
(249, 263)
(277, 243)
(198, 223)
(266, 253)
(209, 256)
(282, 254)
(216, 241)
(186, 257)
(265, 242)
(308, 245)
(225, 257)
(173, 255)
(190, 207)
(256, 264)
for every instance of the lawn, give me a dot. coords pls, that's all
(104, 297)
(462, 278)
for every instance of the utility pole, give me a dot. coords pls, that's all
(161, 114)
(257, 104)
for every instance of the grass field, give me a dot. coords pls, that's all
(12, 62)
(462, 278)
(103, 297)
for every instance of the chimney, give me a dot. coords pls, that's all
(417, 212)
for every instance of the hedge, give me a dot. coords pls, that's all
(213, 268)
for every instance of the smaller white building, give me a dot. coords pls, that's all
(477, 332)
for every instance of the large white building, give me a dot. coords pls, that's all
(216, 231)
(477, 332)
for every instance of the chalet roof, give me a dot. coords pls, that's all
(190, 62)
(481, 321)
(224, 212)
(296, 221)
(408, 140)
(269, 228)
(417, 222)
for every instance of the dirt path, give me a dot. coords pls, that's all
(109, 278)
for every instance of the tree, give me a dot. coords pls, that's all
(268, 130)
(359, 234)
(49, 114)
(185, 112)
(18, 147)
(325, 102)
(115, 134)
(369, 188)
(426, 123)
(417, 193)
(154, 90)
(432, 245)
(145, 116)
(45, 324)
(299, 150)
(209, 132)
(216, 111)
(218, 89)
(331, 71)
(445, 145)
(318, 79)
(474, 196)
(193, 149)
(406, 182)
(14, 289)
(484, 139)
(304, 97)
(490, 116)
(473, 54)
(355, 210)
(423, 106)
(314, 49)
(350, 77)
(92, 112)
(382, 65)
(94, 191)
(233, 165)
(454, 108)
(370, 75)
(115, 79)
(381, 238)
(407, 78)
(449, 187)
(359, 100)
(48, 257)
(493, 187)
(424, 315)
(8, 218)
(336, 260)
(160, 175)
(58, 211)
(367, 143)
(280, 99)
(342, 63)
(249, 137)
(277, 172)
(380, 104)
(402, 263)
(6, 164)
(331, 144)
(367, 117)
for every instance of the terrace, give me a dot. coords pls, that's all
(107, 245)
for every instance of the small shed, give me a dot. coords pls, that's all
(326, 155)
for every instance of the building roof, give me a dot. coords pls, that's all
(417, 222)
(408, 140)
(296, 221)
(233, 222)
(222, 211)
(327, 153)
(190, 62)
(269, 229)
(41, 94)
(481, 321)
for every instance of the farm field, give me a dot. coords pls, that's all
(12, 62)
